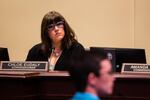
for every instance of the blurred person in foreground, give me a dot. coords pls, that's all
(92, 76)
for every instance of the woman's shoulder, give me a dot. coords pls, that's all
(36, 47)
(77, 45)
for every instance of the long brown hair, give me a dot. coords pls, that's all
(49, 18)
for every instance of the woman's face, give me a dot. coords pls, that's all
(56, 31)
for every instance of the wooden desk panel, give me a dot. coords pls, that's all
(58, 86)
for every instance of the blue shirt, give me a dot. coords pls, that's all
(84, 96)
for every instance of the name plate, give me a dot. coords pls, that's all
(135, 68)
(24, 66)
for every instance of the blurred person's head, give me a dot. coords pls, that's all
(93, 74)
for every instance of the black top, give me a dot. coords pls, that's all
(76, 51)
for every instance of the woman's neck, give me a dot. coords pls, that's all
(57, 46)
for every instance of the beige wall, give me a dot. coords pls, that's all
(142, 25)
(107, 23)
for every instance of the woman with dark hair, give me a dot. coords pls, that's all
(58, 44)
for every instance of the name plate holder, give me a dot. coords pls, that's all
(24, 66)
(135, 68)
